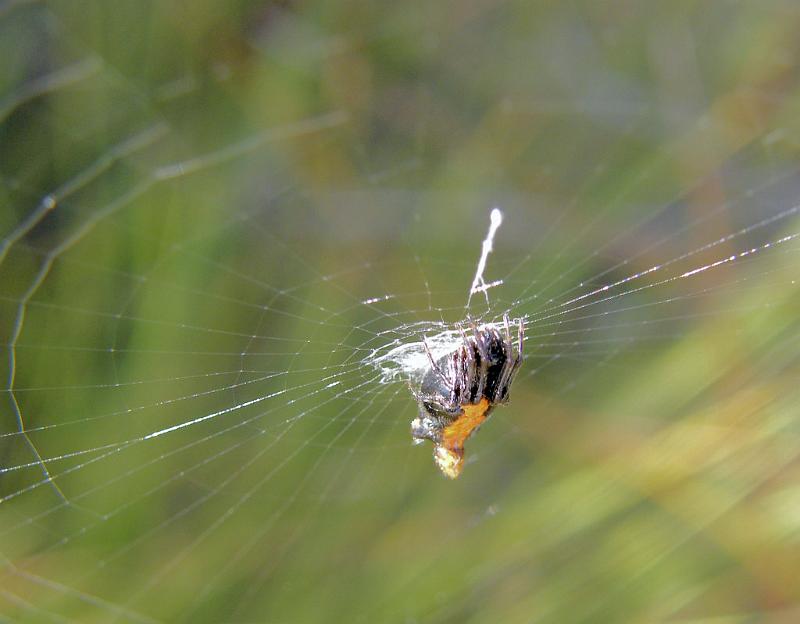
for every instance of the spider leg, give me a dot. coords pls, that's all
(459, 365)
(512, 363)
(434, 365)
(464, 338)
(470, 369)
(479, 342)
(508, 346)
(483, 353)
(520, 341)
(501, 389)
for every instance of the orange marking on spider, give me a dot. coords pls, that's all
(449, 454)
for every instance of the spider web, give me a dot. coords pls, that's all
(222, 245)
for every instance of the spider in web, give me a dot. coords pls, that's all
(460, 390)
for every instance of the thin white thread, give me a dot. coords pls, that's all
(478, 283)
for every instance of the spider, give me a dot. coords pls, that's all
(459, 391)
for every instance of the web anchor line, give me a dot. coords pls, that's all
(478, 282)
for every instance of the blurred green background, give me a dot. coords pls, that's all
(213, 214)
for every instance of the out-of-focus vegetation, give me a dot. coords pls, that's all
(197, 198)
